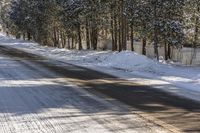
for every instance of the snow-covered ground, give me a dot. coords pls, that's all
(182, 80)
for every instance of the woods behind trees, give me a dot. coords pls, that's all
(69, 23)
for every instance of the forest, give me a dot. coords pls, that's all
(73, 23)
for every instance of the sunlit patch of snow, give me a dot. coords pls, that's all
(29, 83)
(148, 81)
(178, 79)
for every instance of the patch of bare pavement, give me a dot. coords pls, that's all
(40, 95)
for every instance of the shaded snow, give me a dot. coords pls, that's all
(125, 64)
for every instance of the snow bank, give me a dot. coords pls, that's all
(128, 60)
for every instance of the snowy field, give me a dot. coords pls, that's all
(182, 80)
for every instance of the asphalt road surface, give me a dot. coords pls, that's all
(40, 95)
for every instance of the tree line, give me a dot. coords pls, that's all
(69, 23)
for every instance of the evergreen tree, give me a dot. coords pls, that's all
(69, 23)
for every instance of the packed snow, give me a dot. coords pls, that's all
(183, 80)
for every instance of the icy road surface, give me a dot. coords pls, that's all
(36, 100)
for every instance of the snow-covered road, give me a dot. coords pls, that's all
(36, 100)
(42, 94)
(170, 77)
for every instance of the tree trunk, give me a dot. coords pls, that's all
(119, 32)
(156, 48)
(119, 38)
(29, 36)
(156, 33)
(64, 40)
(93, 37)
(79, 38)
(144, 43)
(115, 32)
(55, 37)
(132, 38)
(169, 51)
(123, 26)
(112, 32)
(72, 42)
(196, 29)
(58, 38)
(165, 49)
(68, 43)
(87, 34)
